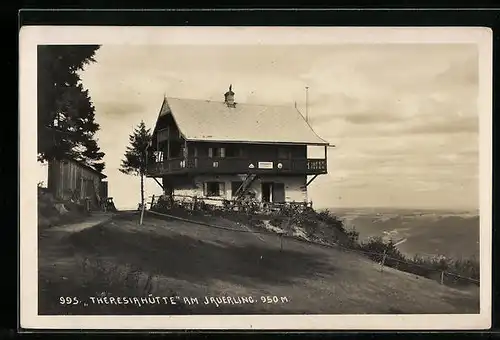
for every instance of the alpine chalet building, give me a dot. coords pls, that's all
(227, 150)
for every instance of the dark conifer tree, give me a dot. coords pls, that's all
(66, 115)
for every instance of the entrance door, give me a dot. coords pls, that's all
(234, 187)
(279, 192)
(88, 188)
(267, 192)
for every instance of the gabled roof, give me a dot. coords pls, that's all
(213, 121)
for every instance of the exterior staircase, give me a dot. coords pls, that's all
(245, 185)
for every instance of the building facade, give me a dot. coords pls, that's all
(229, 150)
(69, 179)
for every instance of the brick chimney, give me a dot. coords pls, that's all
(229, 97)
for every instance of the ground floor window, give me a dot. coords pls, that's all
(214, 189)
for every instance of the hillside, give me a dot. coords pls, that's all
(53, 212)
(171, 257)
(449, 233)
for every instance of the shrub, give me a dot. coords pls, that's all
(376, 247)
(227, 205)
(352, 235)
(429, 267)
(328, 217)
(163, 204)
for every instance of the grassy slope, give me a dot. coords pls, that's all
(197, 261)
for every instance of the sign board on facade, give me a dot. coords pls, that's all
(265, 165)
(251, 166)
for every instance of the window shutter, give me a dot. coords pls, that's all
(210, 152)
(222, 189)
(222, 152)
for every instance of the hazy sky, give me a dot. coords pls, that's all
(403, 117)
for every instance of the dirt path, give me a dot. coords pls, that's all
(92, 220)
(52, 241)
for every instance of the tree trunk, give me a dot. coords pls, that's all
(142, 190)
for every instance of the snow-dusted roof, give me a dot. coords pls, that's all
(213, 121)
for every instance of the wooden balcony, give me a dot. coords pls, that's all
(205, 165)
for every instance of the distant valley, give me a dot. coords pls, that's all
(425, 232)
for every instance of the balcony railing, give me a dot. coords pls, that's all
(237, 165)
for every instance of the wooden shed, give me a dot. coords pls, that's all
(69, 179)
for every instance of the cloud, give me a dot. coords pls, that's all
(372, 117)
(463, 71)
(117, 109)
(444, 126)
(395, 90)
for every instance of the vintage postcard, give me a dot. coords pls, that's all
(255, 178)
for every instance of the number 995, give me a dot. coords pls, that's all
(67, 300)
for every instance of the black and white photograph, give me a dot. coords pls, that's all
(255, 177)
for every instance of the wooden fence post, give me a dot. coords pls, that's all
(442, 277)
(142, 213)
(281, 241)
(383, 261)
(152, 202)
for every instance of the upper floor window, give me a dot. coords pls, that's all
(234, 151)
(284, 153)
(216, 152)
(222, 152)
(163, 134)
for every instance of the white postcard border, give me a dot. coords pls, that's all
(31, 36)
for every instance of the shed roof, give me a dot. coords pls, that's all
(214, 121)
(85, 166)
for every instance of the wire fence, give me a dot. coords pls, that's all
(382, 258)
